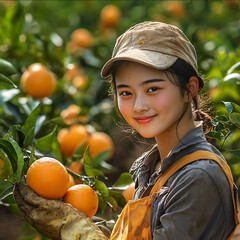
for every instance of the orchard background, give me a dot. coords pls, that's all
(72, 40)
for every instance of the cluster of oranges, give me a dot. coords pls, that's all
(50, 179)
(38, 82)
(71, 138)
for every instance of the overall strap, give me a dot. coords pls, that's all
(194, 157)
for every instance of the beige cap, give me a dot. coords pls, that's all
(153, 44)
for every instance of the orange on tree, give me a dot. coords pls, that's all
(48, 178)
(110, 16)
(80, 81)
(100, 142)
(69, 115)
(129, 191)
(70, 139)
(72, 71)
(82, 38)
(82, 197)
(71, 181)
(176, 8)
(38, 82)
(76, 167)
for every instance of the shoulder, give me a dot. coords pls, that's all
(202, 170)
(202, 177)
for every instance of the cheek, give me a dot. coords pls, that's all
(124, 108)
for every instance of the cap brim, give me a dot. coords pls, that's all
(149, 58)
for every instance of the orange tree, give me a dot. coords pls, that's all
(32, 32)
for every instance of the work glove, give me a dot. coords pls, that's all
(55, 219)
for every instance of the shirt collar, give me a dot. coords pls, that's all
(148, 160)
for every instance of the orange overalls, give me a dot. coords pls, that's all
(134, 221)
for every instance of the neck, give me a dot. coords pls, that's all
(170, 138)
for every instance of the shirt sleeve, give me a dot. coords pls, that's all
(192, 209)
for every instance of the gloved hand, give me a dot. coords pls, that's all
(54, 218)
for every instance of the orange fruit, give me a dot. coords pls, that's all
(99, 142)
(129, 191)
(77, 168)
(71, 181)
(80, 81)
(1, 163)
(72, 71)
(48, 178)
(82, 38)
(70, 139)
(82, 197)
(38, 82)
(176, 8)
(110, 16)
(69, 115)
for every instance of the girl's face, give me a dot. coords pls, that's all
(148, 100)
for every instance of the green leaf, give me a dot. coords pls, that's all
(232, 107)
(89, 170)
(29, 138)
(219, 127)
(214, 135)
(102, 188)
(232, 77)
(102, 203)
(7, 171)
(20, 160)
(6, 192)
(235, 118)
(124, 180)
(59, 121)
(7, 80)
(8, 148)
(45, 143)
(92, 172)
(222, 119)
(56, 151)
(8, 94)
(228, 106)
(7, 68)
(118, 197)
(87, 157)
(31, 121)
(16, 133)
(233, 68)
(112, 202)
(103, 156)
(78, 154)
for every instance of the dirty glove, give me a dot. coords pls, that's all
(54, 218)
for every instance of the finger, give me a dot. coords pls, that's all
(105, 230)
(24, 207)
(35, 200)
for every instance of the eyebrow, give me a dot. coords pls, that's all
(143, 83)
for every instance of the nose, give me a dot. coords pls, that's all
(140, 104)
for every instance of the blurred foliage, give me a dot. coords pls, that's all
(36, 31)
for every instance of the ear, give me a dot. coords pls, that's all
(193, 86)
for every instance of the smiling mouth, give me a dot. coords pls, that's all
(144, 120)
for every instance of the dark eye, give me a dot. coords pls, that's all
(125, 93)
(153, 89)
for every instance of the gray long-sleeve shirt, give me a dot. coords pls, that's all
(195, 203)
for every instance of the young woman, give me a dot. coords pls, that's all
(184, 188)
